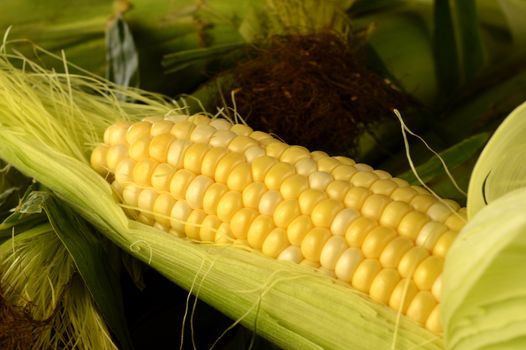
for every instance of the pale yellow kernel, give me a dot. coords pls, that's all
(374, 205)
(252, 194)
(161, 127)
(276, 149)
(226, 164)
(412, 223)
(355, 197)
(298, 228)
(269, 201)
(358, 230)
(421, 306)
(98, 159)
(383, 285)
(145, 202)
(259, 230)
(285, 212)
(220, 124)
(199, 119)
(293, 186)
(324, 212)
(434, 322)
(212, 196)
(443, 243)
(422, 202)
(331, 251)
(275, 243)
(176, 118)
(176, 152)
(114, 155)
(124, 171)
(202, 133)
(439, 212)
(179, 183)
(277, 174)
(193, 224)
(393, 213)
(384, 186)
(221, 138)
(345, 160)
(420, 190)
(159, 146)
(260, 135)
(436, 289)
(403, 194)
(291, 253)
(309, 198)
(228, 205)
(347, 264)
(455, 221)
(394, 251)
(343, 172)
(116, 134)
(142, 172)
(313, 243)
(315, 155)
(241, 143)
(365, 274)
(241, 129)
(342, 220)
(240, 177)
(224, 234)
(337, 189)
(193, 157)
(327, 164)
(208, 229)
(152, 119)
(161, 176)
(294, 153)
(319, 180)
(162, 208)
(241, 220)
(410, 261)
(145, 219)
(427, 272)
(376, 241)
(305, 166)
(253, 152)
(363, 167)
(267, 141)
(429, 234)
(130, 195)
(210, 160)
(183, 130)
(400, 182)
(196, 191)
(260, 167)
(402, 295)
(451, 204)
(137, 131)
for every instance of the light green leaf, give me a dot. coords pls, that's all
(515, 12)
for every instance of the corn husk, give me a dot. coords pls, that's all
(49, 124)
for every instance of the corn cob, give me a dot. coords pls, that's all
(213, 181)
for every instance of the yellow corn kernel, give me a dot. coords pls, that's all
(212, 196)
(343, 172)
(327, 164)
(298, 228)
(209, 227)
(199, 119)
(220, 124)
(276, 149)
(439, 212)
(313, 243)
(176, 152)
(347, 264)
(210, 160)
(443, 243)
(130, 195)
(342, 220)
(183, 129)
(402, 295)
(331, 251)
(202, 133)
(429, 234)
(412, 223)
(383, 285)
(305, 166)
(269, 201)
(253, 152)
(384, 186)
(394, 251)
(411, 260)
(318, 155)
(260, 136)
(124, 171)
(427, 272)
(252, 194)
(98, 159)
(161, 177)
(337, 189)
(240, 222)
(275, 242)
(455, 221)
(358, 230)
(403, 194)
(345, 160)
(196, 190)
(293, 154)
(179, 183)
(319, 180)
(241, 143)
(179, 214)
(162, 208)
(145, 202)
(364, 179)
(259, 230)
(224, 234)
(221, 138)
(114, 155)
(260, 167)
(308, 200)
(161, 127)
(225, 166)
(228, 205)
(374, 205)
(277, 174)
(421, 306)
(324, 212)
(240, 177)
(436, 289)
(241, 129)
(422, 202)
(142, 172)
(137, 131)
(376, 240)
(291, 253)
(193, 224)
(365, 273)
(116, 134)
(285, 212)
(293, 186)
(393, 213)
(355, 197)
(194, 155)
(433, 322)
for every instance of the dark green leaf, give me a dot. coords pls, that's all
(93, 264)
(121, 55)
(470, 40)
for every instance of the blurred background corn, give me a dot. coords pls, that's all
(214, 181)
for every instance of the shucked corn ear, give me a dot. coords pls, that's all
(213, 181)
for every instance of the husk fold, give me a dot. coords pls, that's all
(49, 122)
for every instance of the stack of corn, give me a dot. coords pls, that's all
(213, 181)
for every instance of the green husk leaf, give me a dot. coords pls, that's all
(470, 39)
(484, 290)
(288, 304)
(93, 264)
